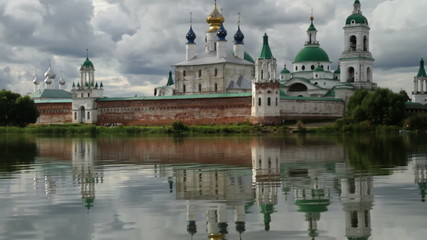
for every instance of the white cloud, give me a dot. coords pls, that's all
(134, 43)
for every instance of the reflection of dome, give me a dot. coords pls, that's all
(356, 19)
(312, 54)
(36, 80)
(313, 205)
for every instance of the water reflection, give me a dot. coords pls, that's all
(220, 188)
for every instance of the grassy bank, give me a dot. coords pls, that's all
(174, 129)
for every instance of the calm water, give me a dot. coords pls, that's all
(296, 187)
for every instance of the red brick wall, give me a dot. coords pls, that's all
(54, 113)
(189, 111)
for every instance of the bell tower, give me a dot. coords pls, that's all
(356, 60)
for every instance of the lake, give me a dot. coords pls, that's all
(271, 187)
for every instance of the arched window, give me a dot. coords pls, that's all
(353, 43)
(259, 101)
(312, 67)
(303, 67)
(350, 72)
(368, 74)
(298, 87)
(269, 101)
(365, 43)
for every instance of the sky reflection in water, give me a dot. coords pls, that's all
(296, 187)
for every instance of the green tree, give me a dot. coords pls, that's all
(16, 110)
(381, 106)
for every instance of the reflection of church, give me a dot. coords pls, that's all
(420, 169)
(85, 172)
(357, 199)
(214, 194)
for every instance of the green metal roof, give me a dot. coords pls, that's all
(319, 69)
(87, 63)
(312, 53)
(246, 56)
(170, 80)
(51, 93)
(338, 70)
(266, 51)
(421, 70)
(176, 97)
(358, 18)
(312, 27)
(285, 71)
(52, 100)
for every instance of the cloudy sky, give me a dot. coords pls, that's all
(133, 43)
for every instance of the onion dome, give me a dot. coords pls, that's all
(61, 81)
(191, 36)
(356, 17)
(48, 80)
(49, 73)
(215, 19)
(319, 69)
(36, 80)
(285, 71)
(421, 70)
(222, 33)
(239, 36)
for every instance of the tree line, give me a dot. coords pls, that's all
(16, 110)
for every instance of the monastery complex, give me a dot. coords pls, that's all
(226, 85)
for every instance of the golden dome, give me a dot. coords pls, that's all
(214, 19)
(216, 236)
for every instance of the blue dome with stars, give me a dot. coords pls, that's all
(239, 36)
(191, 36)
(222, 33)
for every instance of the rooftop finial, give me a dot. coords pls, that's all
(191, 18)
(87, 53)
(238, 20)
(312, 16)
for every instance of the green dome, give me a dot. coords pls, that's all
(319, 69)
(358, 19)
(87, 63)
(312, 54)
(285, 71)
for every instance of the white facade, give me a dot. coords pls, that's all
(419, 95)
(356, 62)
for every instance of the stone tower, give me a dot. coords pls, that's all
(356, 60)
(265, 88)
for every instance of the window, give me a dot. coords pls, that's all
(354, 220)
(200, 73)
(296, 68)
(312, 67)
(216, 72)
(269, 101)
(259, 101)
(184, 73)
(365, 43)
(183, 88)
(82, 95)
(353, 43)
(277, 101)
(303, 67)
(216, 87)
(200, 87)
(88, 95)
(75, 116)
(88, 115)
